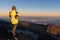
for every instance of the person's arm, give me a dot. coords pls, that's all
(16, 15)
(9, 14)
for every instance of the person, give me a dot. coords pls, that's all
(13, 14)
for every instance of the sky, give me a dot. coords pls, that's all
(31, 7)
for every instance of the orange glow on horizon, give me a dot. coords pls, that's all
(53, 14)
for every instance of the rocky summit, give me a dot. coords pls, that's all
(29, 31)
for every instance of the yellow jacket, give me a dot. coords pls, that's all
(13, 19)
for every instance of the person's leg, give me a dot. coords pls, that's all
(13, 31)
(14, 28)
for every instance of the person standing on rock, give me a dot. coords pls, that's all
(13, 14)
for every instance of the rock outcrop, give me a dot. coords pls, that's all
(53, 29)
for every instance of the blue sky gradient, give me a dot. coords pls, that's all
(31, 5)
